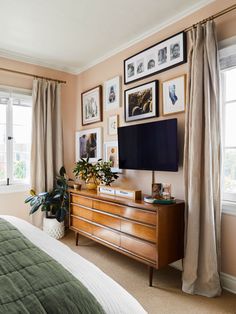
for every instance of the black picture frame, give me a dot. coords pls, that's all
(157, 58)
(145, 114)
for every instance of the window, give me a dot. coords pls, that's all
(229, 134)
(15, 137)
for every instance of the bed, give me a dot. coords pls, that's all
(111, 297)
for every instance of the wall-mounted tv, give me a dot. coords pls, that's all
(149, 146)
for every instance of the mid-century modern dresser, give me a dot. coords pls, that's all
(150, 233)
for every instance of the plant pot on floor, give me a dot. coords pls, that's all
(54, 228)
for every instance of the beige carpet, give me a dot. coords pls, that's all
(166, 295)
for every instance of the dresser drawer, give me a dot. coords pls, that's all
(107, 235)
(107, 207)
(139, 215)
(139, 230)
(77, 199)
(106, 220)
(81, 225)
(139, 247)
(81, 212)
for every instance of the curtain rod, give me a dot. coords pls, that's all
(32, 75)
(214, 16)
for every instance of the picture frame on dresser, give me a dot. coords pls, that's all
(174, 95)
(91, 105)
(162, 56)
(141, 102)
(89, 144)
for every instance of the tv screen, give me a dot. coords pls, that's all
(149, 146)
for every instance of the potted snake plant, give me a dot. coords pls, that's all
(54, 203)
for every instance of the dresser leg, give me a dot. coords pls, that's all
(76, 238)
(150, 270)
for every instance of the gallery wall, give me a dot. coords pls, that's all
(113, 66)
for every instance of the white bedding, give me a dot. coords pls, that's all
(113, 298)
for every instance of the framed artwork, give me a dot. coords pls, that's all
(111, 154)
(88, 144)
(141, 102)
(160, 57)
(174, 95)
(91, 104)
(112, 93)
(112, 125)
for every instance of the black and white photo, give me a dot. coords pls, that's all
(173, 95)
(91, 105)
(160, 57)
(112, 93)
(130, 71)
(141, 102)
(88, 144)
(174, 51)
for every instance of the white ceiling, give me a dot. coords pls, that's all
(72, 35)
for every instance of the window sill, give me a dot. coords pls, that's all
(14, 188)
(229, 208)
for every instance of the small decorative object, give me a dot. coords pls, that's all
(112, 93)
(94, 174)
(55, 203)
(174, 95)
(91, 104)
(160, 57)
(166, 190)
(157, 190)
(117, 191)
(151, 200)
(88, 144)
(77, 186)
(112, 125)
(141, 102)
(111, 155)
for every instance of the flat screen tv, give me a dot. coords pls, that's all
(149, 146)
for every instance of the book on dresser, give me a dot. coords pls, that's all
(150, 233)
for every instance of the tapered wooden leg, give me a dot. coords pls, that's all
(150, 270)
(76, 238)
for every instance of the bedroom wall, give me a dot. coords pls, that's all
(98, 74)
(13, 203)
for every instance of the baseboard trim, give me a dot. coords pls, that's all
(228, 282)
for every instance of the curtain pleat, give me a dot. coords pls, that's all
(202, 166)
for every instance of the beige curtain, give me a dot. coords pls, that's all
(202, 159)
(47, 149)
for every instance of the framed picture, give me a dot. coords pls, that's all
(91, 104)
(155, 59)
(174, 95)
(112, 125)
(88, 144)
(141, 102)
(112, 93)
(111, 154)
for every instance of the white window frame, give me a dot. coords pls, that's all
(228, 50)
(12, 185)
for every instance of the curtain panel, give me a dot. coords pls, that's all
(47, 144)
(202, 166)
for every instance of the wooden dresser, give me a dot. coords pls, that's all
(152, 234)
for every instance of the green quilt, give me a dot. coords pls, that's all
(32, 282)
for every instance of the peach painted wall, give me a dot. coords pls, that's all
(98, 74)
(13, 203)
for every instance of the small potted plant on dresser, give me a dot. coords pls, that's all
(54, 203)
(95, 174)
